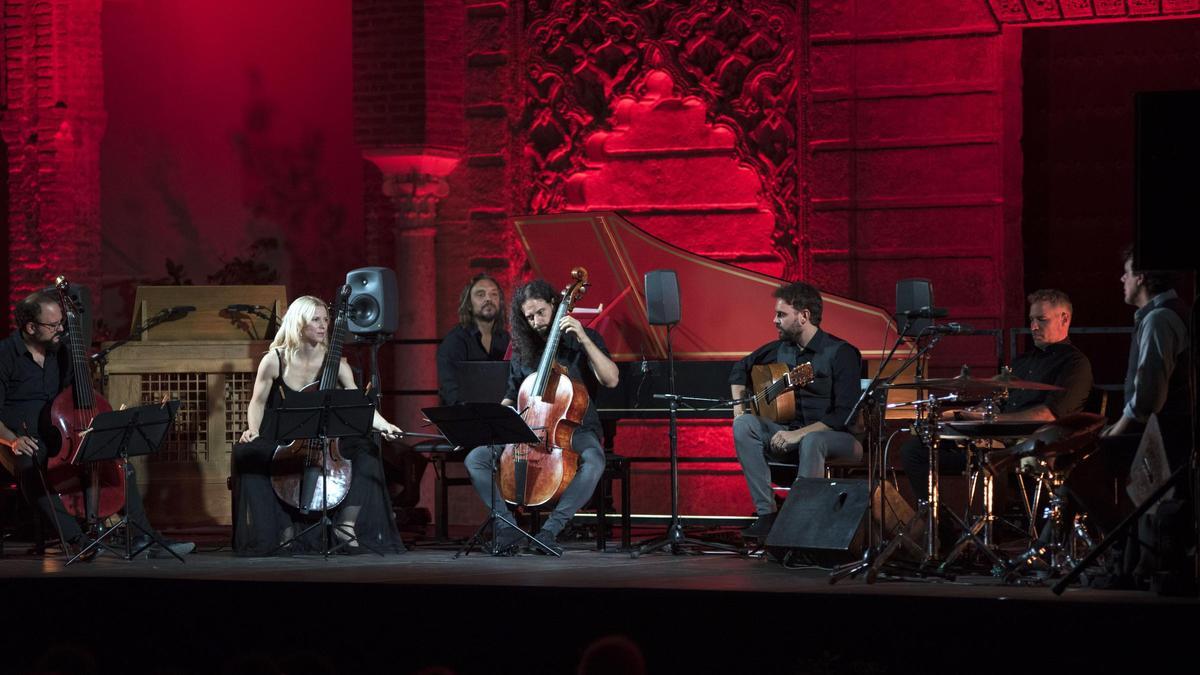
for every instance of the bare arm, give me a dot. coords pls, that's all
(20, 445)
(268, 370)
(602, 367)
(786, 437)
(736, 392)
(1038, 413)
(346, 378)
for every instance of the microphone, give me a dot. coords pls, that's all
(951, 329)
(927, 313)
(244, 308)
(181, 309)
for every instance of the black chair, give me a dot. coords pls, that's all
(616, 467)
(1097, 402)
(15, 514)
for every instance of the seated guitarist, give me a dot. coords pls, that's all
(819, 431)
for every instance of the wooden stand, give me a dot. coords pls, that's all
(207, 360)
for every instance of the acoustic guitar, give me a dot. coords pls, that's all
(772, 388)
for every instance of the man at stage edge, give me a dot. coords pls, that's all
(582, 352)
(1053, 360)
(35, 365)
(481, 334)
(819, 431)
(1156, 383)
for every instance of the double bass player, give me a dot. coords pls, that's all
(583, 354)
(34, 367)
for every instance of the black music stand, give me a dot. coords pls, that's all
(495, 425)
(322, 416)
(121, 434)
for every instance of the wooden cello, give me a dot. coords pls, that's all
(533, 475)
(296, 467)
(93, 492)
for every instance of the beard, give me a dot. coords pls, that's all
(51, 342)
(487, 312)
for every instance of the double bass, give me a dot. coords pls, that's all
(550, 401)
(296, 468)
(97, 491)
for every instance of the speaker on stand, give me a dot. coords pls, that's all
(374, 308)
(662, 309)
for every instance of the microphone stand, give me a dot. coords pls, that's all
(675, 538)
(273, 327)
(878, 553)
(101, 357)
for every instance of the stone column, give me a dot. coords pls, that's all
(414, 179)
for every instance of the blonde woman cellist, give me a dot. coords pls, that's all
(262, 520)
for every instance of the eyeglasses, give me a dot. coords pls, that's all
(52, 326)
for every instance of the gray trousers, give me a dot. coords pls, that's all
(752, 440)
(591, 465)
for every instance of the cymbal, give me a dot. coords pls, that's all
(976, 385)
(1000, 430)
(1065, 436)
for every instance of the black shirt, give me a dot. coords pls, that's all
(27, 388)
(1060, 364)
(574, 358)
(837, 372)
(465, 344)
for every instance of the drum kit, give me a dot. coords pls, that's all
(964, 410)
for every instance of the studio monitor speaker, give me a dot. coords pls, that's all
(662, 297)
(374, 305)
(913, 294)
(821, 519)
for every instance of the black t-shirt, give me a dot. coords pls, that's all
(574, 358)
(1060, 364)
(464, 344)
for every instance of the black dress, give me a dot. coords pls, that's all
(262, 521)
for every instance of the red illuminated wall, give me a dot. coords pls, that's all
(229, 122)
(850, 144)
(1079, 85)
(51, 119)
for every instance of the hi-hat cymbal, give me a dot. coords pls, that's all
(975, 385)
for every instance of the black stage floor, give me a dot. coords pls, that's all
(479, 614)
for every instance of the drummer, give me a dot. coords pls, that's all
(1053, 360)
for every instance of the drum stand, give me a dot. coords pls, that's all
(926, 512)
(1057, 554)
(980, 533)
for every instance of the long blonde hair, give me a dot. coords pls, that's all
(298, 315)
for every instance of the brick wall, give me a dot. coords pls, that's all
(408, 74)
(52, 122)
